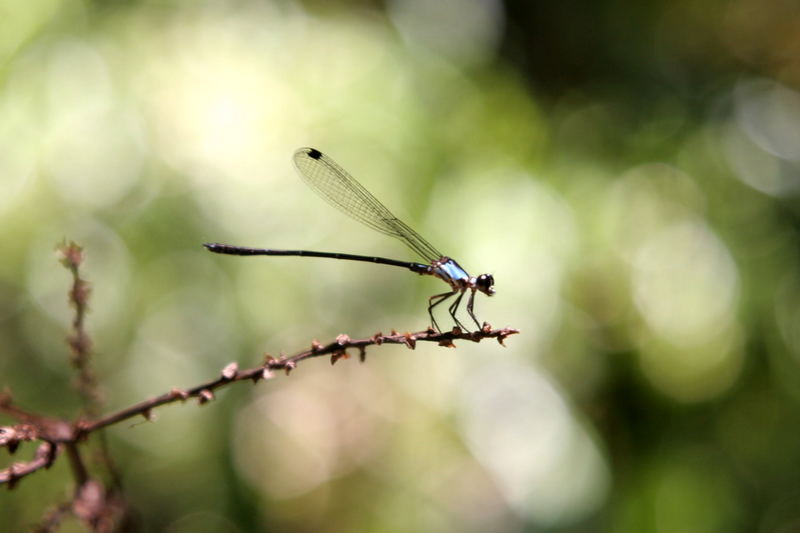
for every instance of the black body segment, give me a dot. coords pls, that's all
(228, 249)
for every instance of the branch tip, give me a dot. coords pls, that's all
(71, 255)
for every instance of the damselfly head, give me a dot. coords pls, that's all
(485, 284)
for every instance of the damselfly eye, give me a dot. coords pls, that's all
(485, 284)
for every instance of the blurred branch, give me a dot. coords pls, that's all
(52, 519)
(80, 347)
(43, 458)
(101, 509)
(79, 342)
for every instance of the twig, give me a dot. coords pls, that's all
(44, 457)
(99, 508)
(79, 471)
(337, 349)
(78, 340)
(60, 432)
(80, 347)
(32, 426)
(51, 432)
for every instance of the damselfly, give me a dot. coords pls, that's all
(340, 189)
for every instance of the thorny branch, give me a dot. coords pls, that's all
(34, 427)
(204, 392)
(337, 349)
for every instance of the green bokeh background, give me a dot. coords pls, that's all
(627, 171)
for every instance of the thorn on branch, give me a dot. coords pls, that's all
(179, 394)
(230, 371)
(335, 356)
(447, 343)
(410, 341)
(205, 396)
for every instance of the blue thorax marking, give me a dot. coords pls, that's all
(450, 270)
